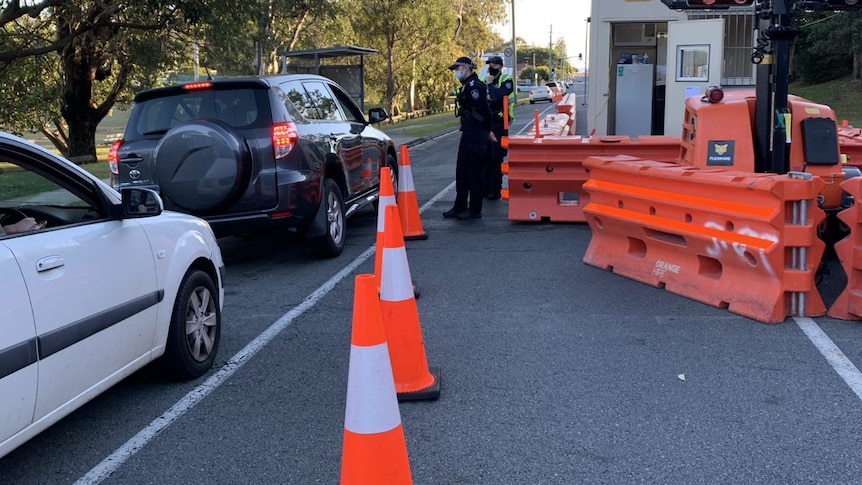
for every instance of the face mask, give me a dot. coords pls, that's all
(459, 75)
(493, 71)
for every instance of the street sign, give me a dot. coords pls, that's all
(509, 57)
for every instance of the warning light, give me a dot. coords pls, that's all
(714, 94)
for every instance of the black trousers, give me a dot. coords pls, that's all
(469, 171)
(496, 153)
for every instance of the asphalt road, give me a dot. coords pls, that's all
(553, 372)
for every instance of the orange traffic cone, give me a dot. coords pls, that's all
(375, 450)
(413, 379)
(387, 198)
(408, 205)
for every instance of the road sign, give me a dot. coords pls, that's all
(509, 57)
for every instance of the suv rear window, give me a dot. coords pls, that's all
(241, 108)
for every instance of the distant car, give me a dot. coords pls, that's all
(541, 93)
(105, 284)
(256, 153)
(523, 88)
(556, 88)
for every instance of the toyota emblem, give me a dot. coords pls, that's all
(134, 174)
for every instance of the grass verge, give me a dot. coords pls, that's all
(842, 95)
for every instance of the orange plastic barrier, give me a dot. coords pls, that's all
(850, 143)
(551, 125)
(567, 106)
(546, 175)
(736, 240)
(848, 306)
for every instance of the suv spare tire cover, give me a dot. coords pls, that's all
(202, 166)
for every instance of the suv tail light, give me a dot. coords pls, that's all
(197, 86)
(114, 157)
(284, 138)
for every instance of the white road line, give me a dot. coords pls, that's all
(116, 459)
(842, 365)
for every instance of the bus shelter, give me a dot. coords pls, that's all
(350, 76)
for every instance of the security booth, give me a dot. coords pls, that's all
(351, 77)
(647, 57)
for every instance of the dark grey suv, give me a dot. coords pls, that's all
(249, 154)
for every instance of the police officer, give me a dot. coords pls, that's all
(501, 90)
(472, 107)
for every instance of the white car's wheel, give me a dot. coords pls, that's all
(195, 331)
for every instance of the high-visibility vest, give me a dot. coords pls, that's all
(512, 95)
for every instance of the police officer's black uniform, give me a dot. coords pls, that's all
(498, 93)
(472, 107)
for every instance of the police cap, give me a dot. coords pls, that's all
(495, 60)
(463, 61)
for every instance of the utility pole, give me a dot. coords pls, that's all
(586, 61)
(535, 74)
(551, 49)
(515, 73)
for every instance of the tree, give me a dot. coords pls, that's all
(247, 40)
(403, 31)
(830, 46)
(98, 45)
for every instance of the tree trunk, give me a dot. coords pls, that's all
(857, 65)
(81, 117)
(390, 76)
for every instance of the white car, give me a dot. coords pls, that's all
(104, 284)
(541, 93)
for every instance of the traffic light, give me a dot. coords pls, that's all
(580, 56)
(718, 3)
(708, 4)
(829, 5)
(844, 5)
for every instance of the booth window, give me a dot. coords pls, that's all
(692, 63)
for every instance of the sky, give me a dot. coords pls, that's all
(537, 21)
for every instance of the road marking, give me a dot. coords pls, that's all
(842, 365)
(116, 459)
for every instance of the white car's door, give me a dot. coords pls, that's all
(92, 284)
(18, 371)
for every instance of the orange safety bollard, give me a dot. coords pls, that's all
(408, 205)
(413, 379)
(505, 117)
(374, 448)
(536, 124)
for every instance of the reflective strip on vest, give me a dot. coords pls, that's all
(512, 95)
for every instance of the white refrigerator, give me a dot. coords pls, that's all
(634, 99)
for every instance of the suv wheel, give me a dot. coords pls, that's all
(393, 170)
(331, 243)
